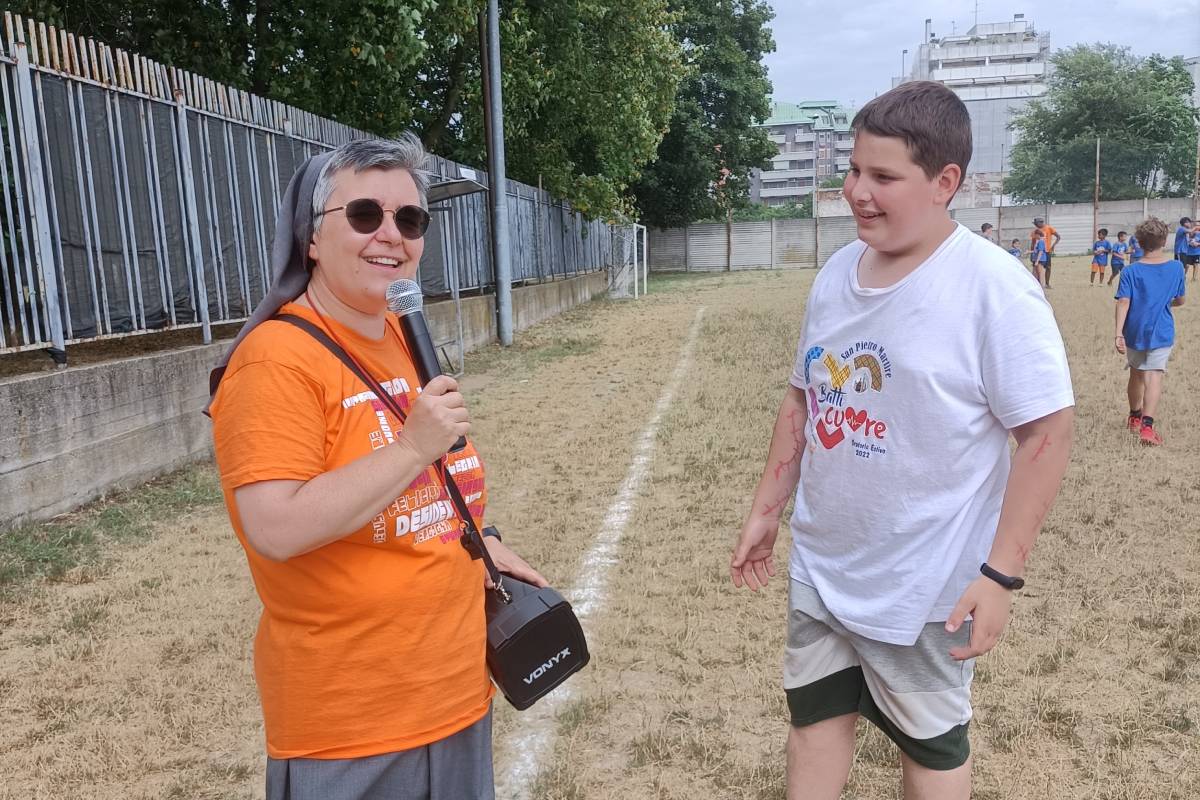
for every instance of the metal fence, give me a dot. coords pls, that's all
(808, 243)
(139, 197)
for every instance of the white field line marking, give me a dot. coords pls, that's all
(532, 740)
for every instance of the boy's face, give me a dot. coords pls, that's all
(894, 203)
(1120, 237)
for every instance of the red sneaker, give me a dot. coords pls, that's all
(1150, 436)
(1135, 424)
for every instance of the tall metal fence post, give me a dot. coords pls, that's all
(645, 259)
(38, 209)
(193, 214)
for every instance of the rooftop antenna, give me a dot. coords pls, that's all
(976, 13)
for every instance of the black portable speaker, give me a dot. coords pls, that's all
(534, 643)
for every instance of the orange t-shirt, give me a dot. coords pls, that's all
(375, 642)
(1049, 233)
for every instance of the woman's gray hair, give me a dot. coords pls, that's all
(404, 152)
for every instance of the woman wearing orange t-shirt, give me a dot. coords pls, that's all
(369, 655)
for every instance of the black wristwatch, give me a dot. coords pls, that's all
(491, 531)
(1007, 581)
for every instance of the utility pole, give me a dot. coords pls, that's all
(1000, 206)
(1096, 192)
(1196, 182)
(497, 180)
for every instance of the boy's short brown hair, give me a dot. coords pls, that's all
(1151, 233)
(931, 120)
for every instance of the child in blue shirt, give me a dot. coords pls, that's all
(1145, 327)
(1100, 250)
(1037, 254)
(1014, 249)
(1191, 255)
(1119, 250)
(1135, 250)
(1181, 237)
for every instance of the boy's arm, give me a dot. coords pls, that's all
(1038, 465)
(1121, 313)
(751, 564)
(1054, 244)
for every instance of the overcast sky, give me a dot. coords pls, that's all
(849, 51)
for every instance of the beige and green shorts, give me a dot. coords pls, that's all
(918, 695)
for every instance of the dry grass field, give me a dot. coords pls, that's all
(125, 658)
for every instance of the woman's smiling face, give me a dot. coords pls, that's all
(358, 267)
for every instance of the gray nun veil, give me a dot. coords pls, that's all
(289, 256)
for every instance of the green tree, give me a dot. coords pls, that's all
(1140, 110)
(712, 135)
(376, 65)
(588, 84)
(588, 89)
(757, 212)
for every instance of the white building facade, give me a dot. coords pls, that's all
(996, 68)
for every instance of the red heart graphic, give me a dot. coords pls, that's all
(855, 421)
(829, 439)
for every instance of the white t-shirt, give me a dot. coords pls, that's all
(911, 392)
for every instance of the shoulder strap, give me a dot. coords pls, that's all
(335, 348)
(472, 540)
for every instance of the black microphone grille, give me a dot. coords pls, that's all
(404, 297)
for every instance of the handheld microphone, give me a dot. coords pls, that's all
(404, 299)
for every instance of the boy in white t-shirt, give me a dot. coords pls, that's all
(923, 349)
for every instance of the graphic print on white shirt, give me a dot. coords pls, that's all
(839, 406)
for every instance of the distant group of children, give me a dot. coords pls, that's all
(1187, 245)
(1106, 254)
(1042, 241)
(1113, 254)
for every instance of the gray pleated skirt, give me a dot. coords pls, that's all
(458, 767)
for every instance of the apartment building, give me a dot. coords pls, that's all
(814, 141)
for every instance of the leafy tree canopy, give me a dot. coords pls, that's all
(1140, 110)
(589, 85)
(703, 163)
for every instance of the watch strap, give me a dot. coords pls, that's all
(1007, 581)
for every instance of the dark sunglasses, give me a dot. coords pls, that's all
(365, 216)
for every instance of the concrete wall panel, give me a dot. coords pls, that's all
(71, 436)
